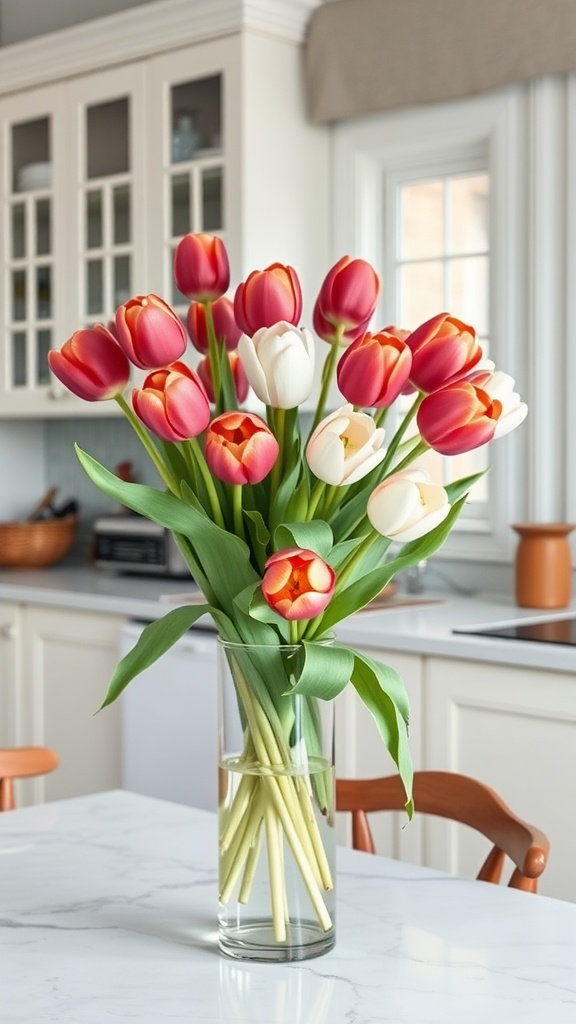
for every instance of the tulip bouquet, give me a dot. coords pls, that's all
(286, 531)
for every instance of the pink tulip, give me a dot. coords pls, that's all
(443, 350)
(297, 583)
(240, 448)
(204, 370)
(225, 326)
(201, 268)
(458, 418)
(91, 364)
(266, 297)
(172, 403)
(348, 294)
(150, 332)
(374, 370)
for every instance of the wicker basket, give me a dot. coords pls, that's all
(33, 545)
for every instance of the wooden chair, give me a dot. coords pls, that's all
(462, 799)
(18, 763)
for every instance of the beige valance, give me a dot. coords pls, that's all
(364, 56)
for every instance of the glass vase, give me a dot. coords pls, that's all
(276, 808)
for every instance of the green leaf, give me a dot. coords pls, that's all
(459, 487)
(259, 535)
(326, 670)
(252, 602)
(298, 502)
(315, 535)
(154, 640)
(382, 691)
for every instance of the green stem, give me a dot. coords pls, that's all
(237, 506)
(317, 492)
(277, 417)
(214, 354)
(327, 374)
(208, 481)
(394, 443)
(169, 479)
(416, 452)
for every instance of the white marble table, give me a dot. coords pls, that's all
(107, 913)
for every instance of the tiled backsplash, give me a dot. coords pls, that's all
(110, 441)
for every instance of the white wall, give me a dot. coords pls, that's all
(22, 473)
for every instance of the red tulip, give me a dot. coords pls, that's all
(172, 403)
(443, 350)
(327, 331)
(91, 364)
(201, 268)
(458, 418)
(297, 583)
(150, 332)
(241, 385)
(225, 326)
(349, 294)
(240, 448)
(374, 370)
(266, 297)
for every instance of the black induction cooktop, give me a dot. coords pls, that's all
(548, 631)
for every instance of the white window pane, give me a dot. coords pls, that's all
(468, 291)
(468, 213)
(421, 291)
(422, 220)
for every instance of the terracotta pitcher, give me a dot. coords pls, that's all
(543, 565)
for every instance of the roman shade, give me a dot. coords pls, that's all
(365, 56)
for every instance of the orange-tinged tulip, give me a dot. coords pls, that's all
(374, 370)
(297, 583)
(241, 385)
(240, 448)
(458, 418)
(150, 332)
(91, 364)
(443, 350)
(348, 294)
(266, 297)
(201, 267)
(225, 326)
(173, 403)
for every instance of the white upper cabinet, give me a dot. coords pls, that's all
(120, 136)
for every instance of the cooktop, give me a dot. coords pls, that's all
(550, 631)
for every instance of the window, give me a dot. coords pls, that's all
(437, 255)
(433, 198)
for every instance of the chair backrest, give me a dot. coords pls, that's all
(462, 799)
(19, 762)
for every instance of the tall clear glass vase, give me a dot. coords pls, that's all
(276, 808)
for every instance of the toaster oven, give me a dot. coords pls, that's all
(133, 544)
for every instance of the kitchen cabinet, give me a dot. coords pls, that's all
(512, 727)
(109, 161)
(55, 665)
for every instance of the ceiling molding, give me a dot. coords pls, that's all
(142, 31)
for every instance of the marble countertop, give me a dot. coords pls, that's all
(420, 624)
(108, 912)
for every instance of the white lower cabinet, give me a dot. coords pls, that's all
(513, 728)
(52, 682)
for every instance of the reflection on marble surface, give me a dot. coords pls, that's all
(108, 911)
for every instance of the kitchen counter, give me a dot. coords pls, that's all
(419, 624)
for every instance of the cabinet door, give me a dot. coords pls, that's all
(193, 104)
(68, 659)
(514, 728)
(31, 291)
(360, 753)
(9, 675)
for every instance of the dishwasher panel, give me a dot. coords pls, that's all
(169, 722)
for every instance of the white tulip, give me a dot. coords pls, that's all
(279, 364)
(345, 446)
(500, 387)
(406, 506)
